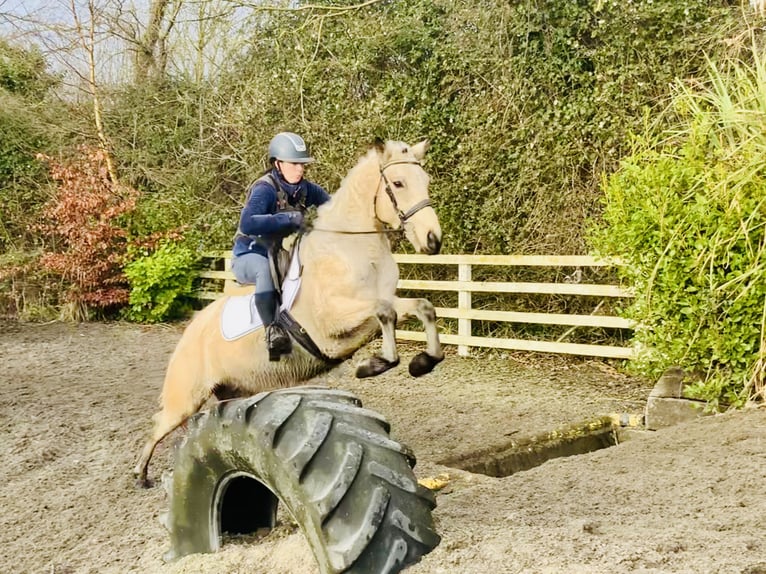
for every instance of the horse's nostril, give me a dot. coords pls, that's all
(434, 243)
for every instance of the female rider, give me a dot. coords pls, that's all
(273, 209)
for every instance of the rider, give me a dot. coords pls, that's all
(273, 209)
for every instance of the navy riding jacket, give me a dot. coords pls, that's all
(263, 221)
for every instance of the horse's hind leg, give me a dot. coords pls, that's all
(389, 356)
(423, 309)
(176, 409)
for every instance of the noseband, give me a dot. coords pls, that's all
(403, 215)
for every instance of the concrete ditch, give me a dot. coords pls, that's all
(666, 406)
(529, 452)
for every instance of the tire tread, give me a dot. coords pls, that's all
(331, 461)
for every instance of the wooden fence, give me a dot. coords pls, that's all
(465, 287)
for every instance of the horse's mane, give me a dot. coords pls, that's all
(354, 199)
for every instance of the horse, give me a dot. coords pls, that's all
(346, 297)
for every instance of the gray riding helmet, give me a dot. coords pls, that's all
(287, 146)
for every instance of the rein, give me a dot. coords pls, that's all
(403, 216)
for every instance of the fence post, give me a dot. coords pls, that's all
(463, 302)
(228, 284)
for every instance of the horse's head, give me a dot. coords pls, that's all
(402, 196)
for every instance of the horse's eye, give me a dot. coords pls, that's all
(398, 184)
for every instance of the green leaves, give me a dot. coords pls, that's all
(24, 72)
(161, 283)
(526, 105)
(24, 131)
(687, 212)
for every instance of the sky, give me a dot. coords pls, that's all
(49, 24)
(19, 18)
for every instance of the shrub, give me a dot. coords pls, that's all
(84, 241)
(27, 291)
(687, 213)
(161, 283)
(25, 114)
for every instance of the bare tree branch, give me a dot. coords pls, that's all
(88, 43)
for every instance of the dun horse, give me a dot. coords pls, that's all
(347, 296)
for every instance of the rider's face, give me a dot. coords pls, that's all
(292, 172)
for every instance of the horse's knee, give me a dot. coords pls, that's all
(427, 311)
(423, 363)
(374, 366)
(386, 313)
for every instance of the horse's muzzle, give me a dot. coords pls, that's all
(434, 244)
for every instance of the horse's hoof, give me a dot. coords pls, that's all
(374, 366)
(423, 363)
(143, 483)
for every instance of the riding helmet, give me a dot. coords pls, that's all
(287, 146)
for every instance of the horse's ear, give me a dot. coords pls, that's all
(379, 145)
(420, 149)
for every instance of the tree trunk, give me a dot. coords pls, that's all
(151, 56)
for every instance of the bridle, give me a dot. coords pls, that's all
(403, 216)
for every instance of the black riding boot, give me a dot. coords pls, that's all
(277, 339)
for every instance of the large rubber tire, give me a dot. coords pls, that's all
(330, 462)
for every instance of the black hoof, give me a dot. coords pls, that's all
(374, 366)
(143, 483)
(423, 363)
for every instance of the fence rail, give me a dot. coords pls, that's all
(465, 286)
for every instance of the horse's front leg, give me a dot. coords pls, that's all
(388, 357)
(423, 309)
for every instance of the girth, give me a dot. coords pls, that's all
(301, 337)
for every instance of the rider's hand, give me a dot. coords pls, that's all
(296, 219)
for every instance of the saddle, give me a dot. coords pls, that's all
(279, 262)
(239, 316)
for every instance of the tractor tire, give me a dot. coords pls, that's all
(329, 461)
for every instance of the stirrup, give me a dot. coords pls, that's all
(277, 341)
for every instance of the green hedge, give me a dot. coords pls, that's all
(687, 212)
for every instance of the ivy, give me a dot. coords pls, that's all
(526, 105)
(23, 71)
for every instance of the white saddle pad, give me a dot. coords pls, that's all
(240, 317)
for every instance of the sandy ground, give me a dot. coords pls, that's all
(75, 406)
